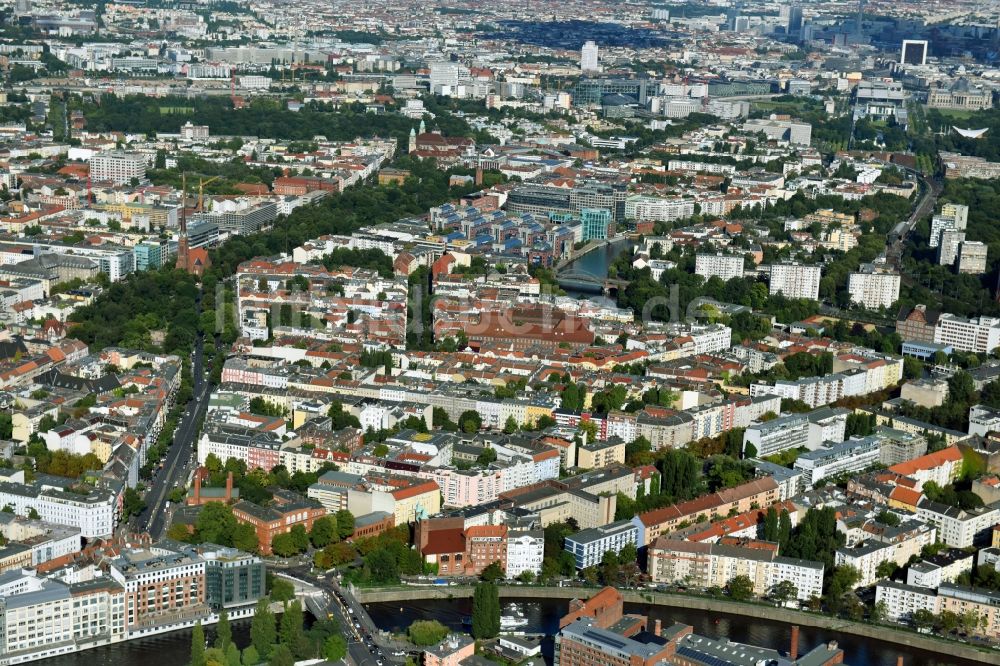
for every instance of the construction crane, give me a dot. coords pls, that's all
(202, 182)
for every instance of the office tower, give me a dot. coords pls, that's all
(596, 223)
(794, 25)
(914, 52)
(589, 57)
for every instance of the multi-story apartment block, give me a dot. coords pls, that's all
(957, 527)
(873, 286)
(722, 266)
(58, 618)
(525, 550)
(902, 600)
(972, 257)
(980, 335)
(777, 435)
(983, 603)
(951, 241)
(117, 167)
(588, 546)
(942, 467)
(658, 209)
(704, 564)
(592, 455)
(853, 455)
(161, 587)
(95, 514)
(255, 447)
(795, 280)
(234, 580)
(742, 498)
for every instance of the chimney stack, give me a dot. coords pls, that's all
(229, 486)
(793, 651)
(657, 627)
(197, 489)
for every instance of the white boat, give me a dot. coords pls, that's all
(510, 621)
(513, 618)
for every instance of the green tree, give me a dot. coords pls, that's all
(324, 532)
(198, 645)
(250, 656)
(492, 573)
(771, 525)
(232, 655)
(783, 591)
(345, 523)
(510, 426)
(922, 619)
(381, 567)
(470, 421)
(216, 524)
(485, 611)
(280, 589)
(740, 588)
(334, 648)
(291, 625)
(426, 632)
(282, 656)
(223, 632)
(878, 612)
(263, 632)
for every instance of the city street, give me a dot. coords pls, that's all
(177, 464)
(365, 644)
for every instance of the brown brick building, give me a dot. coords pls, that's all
(288, 510)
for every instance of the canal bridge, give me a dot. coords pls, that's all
(581, 280)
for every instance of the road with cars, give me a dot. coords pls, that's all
(366, 646)
(180, 458)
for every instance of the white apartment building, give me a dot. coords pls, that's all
(795, 280)
(117, 167)
(806, 576)
(951, 241)
(96, 514)
(930, 574)
(902, 601)
(980, 335)
(704, 564)
(956, 527)
(722, 266)
(958, 212)
(58, 618)
(525, 551)
(873, 288)
(657, 209)
(589, 57)
(777, 435)
(46, 540)
(711, 338)
(826, 425)
(972, 258)
(588, 546)
(896, 544)
(853, 455)
(701, 167)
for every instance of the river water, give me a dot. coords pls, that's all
(596, 263)
(173, 649)
(543, 617)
